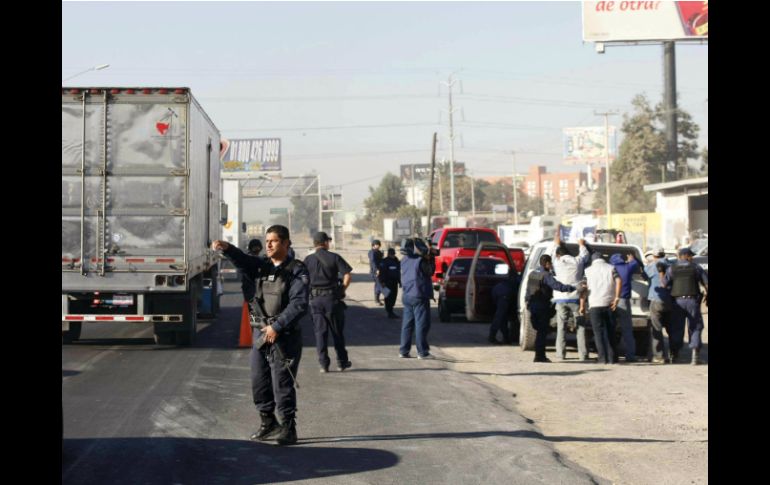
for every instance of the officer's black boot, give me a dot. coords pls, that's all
(268, 429)
(695, 357)
(288, 435)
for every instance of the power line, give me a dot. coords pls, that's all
(342, 127)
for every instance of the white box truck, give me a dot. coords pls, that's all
(140, 206)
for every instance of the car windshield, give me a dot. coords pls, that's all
(467, 239)
(484, 267)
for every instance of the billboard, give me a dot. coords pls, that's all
(251, 155)
(632, 21)
(421, 171)
(586, 145)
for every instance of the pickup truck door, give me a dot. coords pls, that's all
(473, 312)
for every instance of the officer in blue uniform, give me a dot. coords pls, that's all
(326, 300)
(504, 296)
(540, 286)
(416, 270)
(280, 301)
(390, 277)
(684, 279)
(375, 257)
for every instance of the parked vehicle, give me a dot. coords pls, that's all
(140, 206)
(451, 296)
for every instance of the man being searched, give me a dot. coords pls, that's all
(569, 270)
(280, 301)
(602, 290)
(375, 257)
(684, 278)
(326, 300)
(660, 307)
(390, 278)
(247, 282)
(540, 286)
(626, 267)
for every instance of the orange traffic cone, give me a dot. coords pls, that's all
(244, 340)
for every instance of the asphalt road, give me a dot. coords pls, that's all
(137, 413)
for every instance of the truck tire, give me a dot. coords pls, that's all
(164, 338)
(73, 334)
(443, 312)
(527, 333)
(186, 337)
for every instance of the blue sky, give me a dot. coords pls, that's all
(302, 70)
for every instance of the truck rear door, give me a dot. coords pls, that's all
(124, 182)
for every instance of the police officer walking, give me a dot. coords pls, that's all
(416, 271)
(326, 305)
(540, 286)
(280, 301)
(247, 282)
(390, 277)
(375, 257)
(684, 278)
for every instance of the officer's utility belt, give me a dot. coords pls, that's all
(259, 322)
(323, 290)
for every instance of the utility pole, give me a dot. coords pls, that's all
(432, 171)
(515, 195)
(606, 114)
(669, 99)
(473, 197)
(449, 84)
(441, 190)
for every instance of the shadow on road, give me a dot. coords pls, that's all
(209, 461)
(481, 434)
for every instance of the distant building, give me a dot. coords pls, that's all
(683, 206)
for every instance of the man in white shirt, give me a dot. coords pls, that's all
(603, 294)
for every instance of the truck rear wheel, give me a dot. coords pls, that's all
(73, 334)
(164, 338)
(527, 333)
(186, 337)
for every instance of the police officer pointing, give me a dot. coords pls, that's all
(326, 305)
(280, 301)
(540, 286)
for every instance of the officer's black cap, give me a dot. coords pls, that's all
(391, 252)
(255, 243)
(686, 252)
(320, 238)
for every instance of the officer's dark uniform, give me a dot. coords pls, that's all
(504, 296)
(280, 300)
(390, 277)
(540, 286)
(326, 305)
(684, 279)
(375, 257)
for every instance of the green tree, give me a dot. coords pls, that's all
(705, 158)
(304, 215)
(642, 156)
(387, 197)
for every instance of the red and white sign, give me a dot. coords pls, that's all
(610, 21)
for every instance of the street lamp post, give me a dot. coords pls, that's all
(95, 68)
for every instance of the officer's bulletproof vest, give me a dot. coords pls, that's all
(685, 280)
(535, 290)
(272, 290)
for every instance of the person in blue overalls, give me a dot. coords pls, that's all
(540, 286)
(390, 278)
(375, 257)
(416, 270)
(684, 279)
(326, 300)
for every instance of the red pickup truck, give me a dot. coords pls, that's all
(453, 242)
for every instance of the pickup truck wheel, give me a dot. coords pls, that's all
(443, 311)
(73, 334)
(527, 333)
